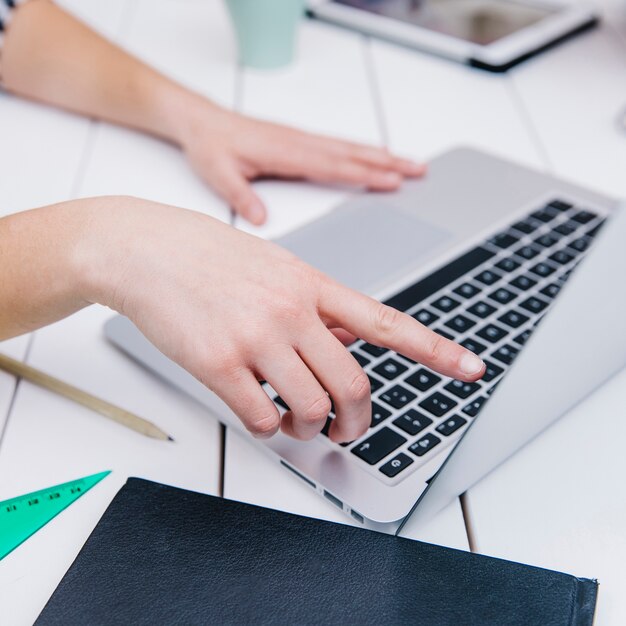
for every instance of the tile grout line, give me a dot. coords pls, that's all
(236, 106)
(529, 125)
(375, 91)
(542, 152)
(384, 136)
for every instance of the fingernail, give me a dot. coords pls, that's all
(470, 364)
(256, 213)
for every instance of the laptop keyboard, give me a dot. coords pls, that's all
(489, 300)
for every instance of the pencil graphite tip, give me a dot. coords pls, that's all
(170, 438)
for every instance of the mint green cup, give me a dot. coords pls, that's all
(266, 30)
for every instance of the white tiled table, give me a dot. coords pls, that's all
(559, 503)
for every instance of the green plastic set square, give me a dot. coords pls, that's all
(23, 516)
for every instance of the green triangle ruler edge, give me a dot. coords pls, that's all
(23, 516)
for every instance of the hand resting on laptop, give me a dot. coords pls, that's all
(229, 307)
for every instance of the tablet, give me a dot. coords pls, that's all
(491, 34)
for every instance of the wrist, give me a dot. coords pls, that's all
(99, 252)
(183, 113)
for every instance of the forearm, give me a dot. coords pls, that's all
(45, 264)
(50, 56)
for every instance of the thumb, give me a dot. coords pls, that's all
(232, 185)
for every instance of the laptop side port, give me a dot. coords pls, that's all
(336, 501)
(357, 516)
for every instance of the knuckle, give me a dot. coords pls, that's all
(230, 365)
(263, 424)
(386, 319)
(433, 351)
(359, 388)
(317, 411)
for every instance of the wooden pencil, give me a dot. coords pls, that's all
(115, 413)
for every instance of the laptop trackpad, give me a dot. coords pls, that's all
(366, 243)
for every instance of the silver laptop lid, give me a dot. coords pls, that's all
(586, 327)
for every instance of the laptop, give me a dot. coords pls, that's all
(516, 265)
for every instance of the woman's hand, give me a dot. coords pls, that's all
(234, 309)
(228, 150)
(50, 56)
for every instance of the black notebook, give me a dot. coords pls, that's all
(162, 555)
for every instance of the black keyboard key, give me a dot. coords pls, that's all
(278, 400)
(584, 217)
(375, 384)
(488, 277)
(580, 244)
(467, 290)
(378, 446)
(372, 349)
(508, 265)
(594, 231)
(481, 309)
(527, 226)
(361, 360)
(561, 257)
(505, 354)
(412, 422)
(544, 215)
(492, 388)
(491, 371)
(513, 319)
(451, 425)
(397, 396)
(438, 404)
(422, 380)
(543, 269)
(527, 252)
(492, 333)
(551, 291)
(560, 206)
(546, 241)
(426, 317)
(461, 389)
(503, 240)
(424, 445)
(534, 305)
(460, 323)
(390, 369)
(567, 228)
(437, 280)
(502, 295)
(396, 465)
(446, 304)
(473, 345)
(443, 333)
(524, 283)
(522, 338)
(474, 407)
(379, 414)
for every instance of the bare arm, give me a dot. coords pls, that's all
(50, 56)
(186, 281)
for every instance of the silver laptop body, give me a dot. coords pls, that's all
(394, 246)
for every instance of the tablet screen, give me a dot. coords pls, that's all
(478, 21)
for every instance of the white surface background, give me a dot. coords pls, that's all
(559, 503)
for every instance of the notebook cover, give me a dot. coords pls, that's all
(162, 555)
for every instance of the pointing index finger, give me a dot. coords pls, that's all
(385, 326)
